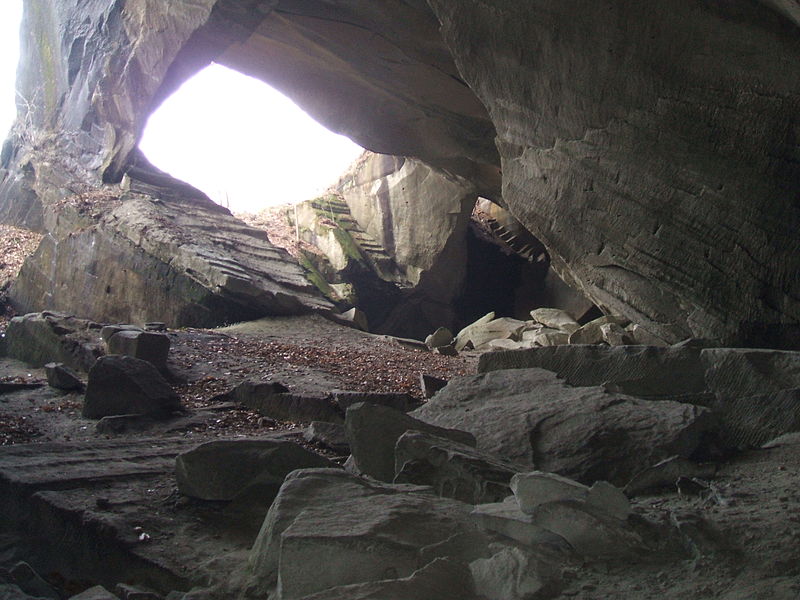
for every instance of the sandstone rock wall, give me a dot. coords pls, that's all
(653, 148)
(418, 214)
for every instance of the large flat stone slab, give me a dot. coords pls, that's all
(532, 417)
(105, 512)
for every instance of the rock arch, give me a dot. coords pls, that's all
(653, 147)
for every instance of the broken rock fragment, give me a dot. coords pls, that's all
(123, 385)
(586, 433)
(223, 469)
(373, 431)
(329, 435)
(327, 528)
(454, 470)
(61, 377)
(555, 318)
(145, 345)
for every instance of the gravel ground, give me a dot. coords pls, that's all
(309, 355)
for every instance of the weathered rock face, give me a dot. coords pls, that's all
(427, 239)
(141, 257)
(532, 417)
(661, 176)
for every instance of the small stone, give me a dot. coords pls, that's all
(61, 377)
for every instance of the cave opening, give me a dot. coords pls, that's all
(243, 143)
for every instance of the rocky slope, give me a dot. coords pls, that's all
(149, 507)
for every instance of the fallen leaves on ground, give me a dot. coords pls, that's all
(16, 244)
(16, 430)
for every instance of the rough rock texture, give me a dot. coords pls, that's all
(441, 579)
(171, 259)
(660, 175)
(385, 195)
(224, 469)
(327, 528)
(123, 385)
(62, 377)
(533, 417)
(41, 338)
(373, 430)
(273, 400)
(454, 470)
(643, 371)
(145, 345)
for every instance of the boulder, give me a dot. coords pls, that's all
(109, 330)
(373, 431)
(592, 332)
(41, 338)
(508, 520)
(441, 337)
(454, 470)
(441, 579)
(507, 344)
(273, 400)
(327, 528)
(642, 337)
(163, 252)
(463, 336)
(591, 533)
(532, 417)
(535, 488)
(555, 318)
(642, 371)
(398, 401)
(61, 377)
(116, 424)
(329, 435)
(496, 329)
(123, 385)
(145, 345)
(224, 469)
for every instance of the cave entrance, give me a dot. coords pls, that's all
(243, 143)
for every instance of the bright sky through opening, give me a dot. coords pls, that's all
(237, 139)
(243, 143)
